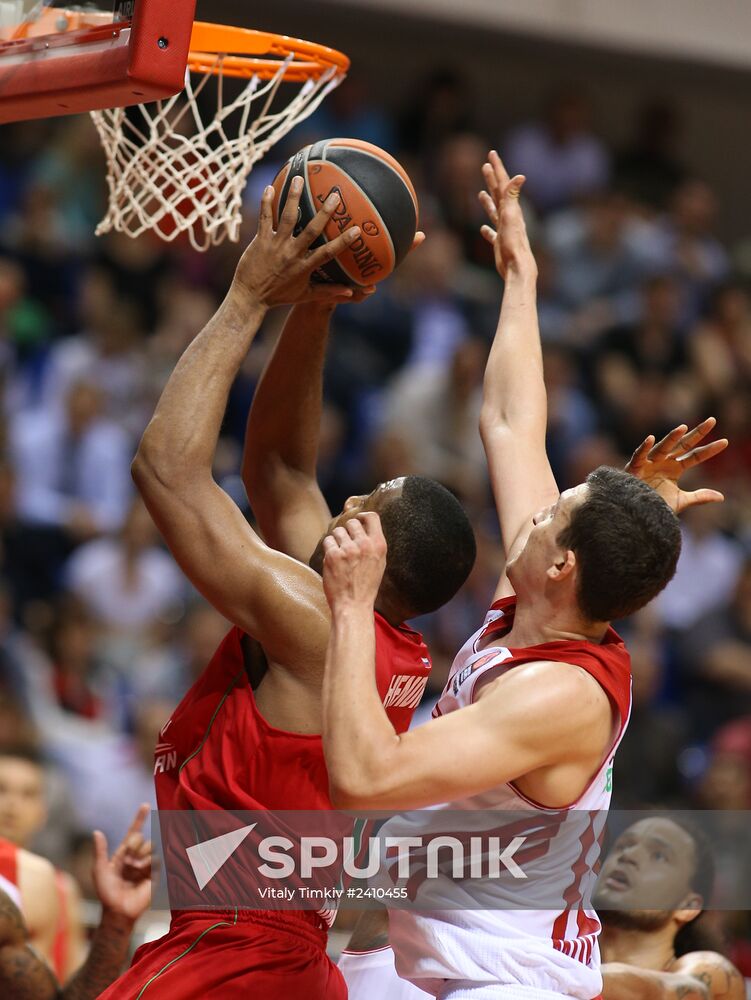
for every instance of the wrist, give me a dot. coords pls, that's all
(522, 270)
(115, 922)
(246, 299)
(349, 611)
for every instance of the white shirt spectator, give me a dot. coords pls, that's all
(123, 597)
(707, 573)
(59, 473)
(557, 172)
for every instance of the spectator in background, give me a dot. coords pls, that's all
(127, 584)
(716, 657)
(31, 554)
(721, 345)
(72, 469)
(646, 358)
(458, 165)
(350, 110)
(438, 415)
(164, 672)
(647, 772)
(649, 169)
(77, 669)
(439, 109)
(23, 814)
(24, 336)
(600, 258)
(561, 156)
(107, 352)
(683, 243)
(708, 568)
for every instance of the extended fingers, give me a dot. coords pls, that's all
(266, 212)
(703, 454)
(321, 219)
(329, 251)
(490, 207)
(639, 457)
(694, 437)
(291, 212)
(664, 447)
(502, 177)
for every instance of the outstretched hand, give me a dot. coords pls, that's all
(661, 465)
(278, 266)
(508, 232)
(123, 882)
(354, 562)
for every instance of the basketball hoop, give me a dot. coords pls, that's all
(175, 170)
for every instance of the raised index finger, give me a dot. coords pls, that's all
(317, 224)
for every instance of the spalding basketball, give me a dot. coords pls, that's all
(374, 193)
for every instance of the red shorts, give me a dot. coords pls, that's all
(227, 955)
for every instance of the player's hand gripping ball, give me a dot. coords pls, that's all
(375, 194)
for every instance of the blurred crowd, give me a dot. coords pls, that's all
(646, 323)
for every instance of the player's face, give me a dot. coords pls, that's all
(527, 570)
(22, 805)
(376, 501)
(647, 875)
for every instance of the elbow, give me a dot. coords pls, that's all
(353, 791)
(492, 422)
(154, 466)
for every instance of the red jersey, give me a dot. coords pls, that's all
(9, 884)
(218, 752)
(9, 871)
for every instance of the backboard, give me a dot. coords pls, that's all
(61, 58)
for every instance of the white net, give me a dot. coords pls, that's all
(172, 171)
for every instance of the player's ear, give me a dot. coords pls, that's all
(689, 909)
(563, 566)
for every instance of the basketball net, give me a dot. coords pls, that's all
(171, 170)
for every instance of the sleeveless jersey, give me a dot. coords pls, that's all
(218, 752)
(9, 872)
(9, 885)
(547, 950)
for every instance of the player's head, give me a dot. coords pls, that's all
(23, 807)
(431, 545)
(658, 874)
(606, 547)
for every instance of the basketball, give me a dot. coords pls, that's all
(375, 194)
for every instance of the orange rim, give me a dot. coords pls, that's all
(220, 49)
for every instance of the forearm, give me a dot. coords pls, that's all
(183, 433)
(625, 982)
(285, 419)
(356, 728)
(514, 394)
(106, 959)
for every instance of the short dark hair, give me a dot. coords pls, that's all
(697, 935)
(25, 752)
(626, 540)
(431, 545)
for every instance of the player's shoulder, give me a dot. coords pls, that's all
(718, 973)
(13, 930)
(573, 696)
(36, 875)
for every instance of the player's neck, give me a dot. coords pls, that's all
(536, 622)
(646, 949)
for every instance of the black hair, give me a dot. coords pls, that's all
(626, 540)
(25, 752)
(431, 545)
(697, 935)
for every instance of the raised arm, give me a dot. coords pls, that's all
(254, 586)
(281, 442)
(124, 887)
(513, 421)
